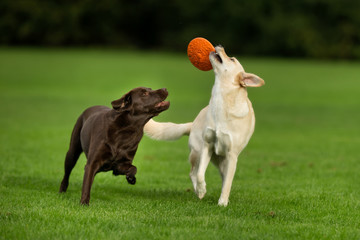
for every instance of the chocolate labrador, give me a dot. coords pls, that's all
(110, 137)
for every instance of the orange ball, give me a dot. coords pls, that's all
(198, 52)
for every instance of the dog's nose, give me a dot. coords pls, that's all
(164, 91)
(219, 48)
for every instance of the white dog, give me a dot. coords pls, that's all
(222, 129)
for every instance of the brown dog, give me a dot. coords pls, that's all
(110, 137)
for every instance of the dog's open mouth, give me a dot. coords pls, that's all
(217, 56)
(162, 105)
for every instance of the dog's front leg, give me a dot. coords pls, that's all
(204, 162)
(209, 138)
(194, 159)
(130, 175)
(227, 169)
(89, 175)
(126, 169)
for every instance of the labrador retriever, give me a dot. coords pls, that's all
(109, 137)
(222, 129)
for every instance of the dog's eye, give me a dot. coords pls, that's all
(232, 59)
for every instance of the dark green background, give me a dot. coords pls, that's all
(300, 28)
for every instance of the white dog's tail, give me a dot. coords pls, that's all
(166, 130)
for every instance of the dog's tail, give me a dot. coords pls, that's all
(166, 130)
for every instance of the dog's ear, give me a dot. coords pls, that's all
(122, 103)
(249, 80)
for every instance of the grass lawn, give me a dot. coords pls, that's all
(299, 177)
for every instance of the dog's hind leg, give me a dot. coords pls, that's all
(227, 168)
(72, 155)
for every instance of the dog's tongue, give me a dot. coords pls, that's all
(160, 104)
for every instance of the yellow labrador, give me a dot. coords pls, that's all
(222, 129)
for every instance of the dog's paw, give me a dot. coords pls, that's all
(200, 192)
(63, 187)
(131, 179)
(200, 189)
(223, 202)
(85, 202)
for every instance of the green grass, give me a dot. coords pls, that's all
(299, 177)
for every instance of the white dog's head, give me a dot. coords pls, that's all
(229, 69)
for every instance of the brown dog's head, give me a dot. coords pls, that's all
(143, 100)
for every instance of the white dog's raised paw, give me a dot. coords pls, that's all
(200, 192)
(200, 189)
(223, 203)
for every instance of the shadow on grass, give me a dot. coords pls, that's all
(36, 185)
(123, 191)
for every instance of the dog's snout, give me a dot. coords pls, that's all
(219, 48)
(163, 92)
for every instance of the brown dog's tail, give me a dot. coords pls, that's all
(166, 130)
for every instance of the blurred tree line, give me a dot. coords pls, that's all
(299, 28)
